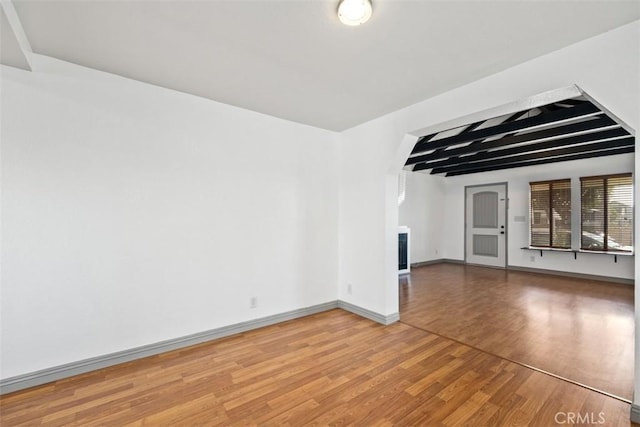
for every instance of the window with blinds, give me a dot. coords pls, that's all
(550, 213)
(607, 213)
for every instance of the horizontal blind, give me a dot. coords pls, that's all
(539, 218)
(550, 214)
(561, 208)
(607, 213)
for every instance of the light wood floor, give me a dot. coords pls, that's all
(578, 329)
(332, 368)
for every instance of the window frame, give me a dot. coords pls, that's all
(605, 219)
(550, 183)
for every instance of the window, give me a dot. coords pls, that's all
(550, 214)
(607, 213)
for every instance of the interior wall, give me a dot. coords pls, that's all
(422, 212)
(133, 214)
(518, 231)
(605, 66)
(434, 209)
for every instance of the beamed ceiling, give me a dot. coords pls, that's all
(571, 129)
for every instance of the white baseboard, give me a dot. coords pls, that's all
(533, 270)
(572, 275)
(371, 315)
(20, 382)
(437, 261)
(635, 413)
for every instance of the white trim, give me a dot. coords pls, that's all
(9, 10)
(20, 382)
(608, 112)
(635, 413)
(534, 101)
(437, 261)
(574, 275)
(585, 276)
(371, 315)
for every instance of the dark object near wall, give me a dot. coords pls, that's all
(403, 251)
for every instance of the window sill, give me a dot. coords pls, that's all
(544, 248)
(576, 252)
(585, 251)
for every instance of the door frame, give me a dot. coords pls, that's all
(506, 221)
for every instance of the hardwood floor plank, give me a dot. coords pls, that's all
(338, 369)
(467, 410)
(578, 329)
(284, 417)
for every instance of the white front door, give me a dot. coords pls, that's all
(486, 228)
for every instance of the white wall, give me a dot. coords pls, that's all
(423, 212)
(434, 209)
(133, 214)
(606, 67)
(518, 232)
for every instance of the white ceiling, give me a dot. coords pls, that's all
(14, 46)
(293, 59)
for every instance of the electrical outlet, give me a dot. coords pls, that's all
(349, 288)
(532, 258)
(253, 303)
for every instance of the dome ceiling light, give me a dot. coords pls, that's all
(354, 12)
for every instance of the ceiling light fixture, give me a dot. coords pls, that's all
(354, 12)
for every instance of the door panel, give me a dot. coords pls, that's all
(485, 209)
(486, 245)
(485, 224)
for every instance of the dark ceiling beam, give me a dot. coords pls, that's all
(567, 103)
(517, 139)
(480, 142)
(427, 138)
(472, 127)
(571, 102)
(626, 145)
(509, 119)
(515, 126)
(550, 107)
(555, 143)
(595, 146)
(469, 128)
(591, 154)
